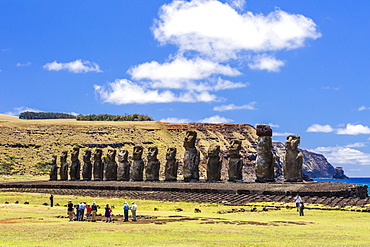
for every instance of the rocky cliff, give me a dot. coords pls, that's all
(26, 146)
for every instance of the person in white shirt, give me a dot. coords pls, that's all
(133, 211)
(297, 201)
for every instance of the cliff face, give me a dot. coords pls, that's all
(27, 145)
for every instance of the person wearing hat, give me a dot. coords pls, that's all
(70, 210)
(125, 211)
(133, 211)
(94, 209)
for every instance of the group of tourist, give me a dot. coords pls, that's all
(299, 205)
(91, 211)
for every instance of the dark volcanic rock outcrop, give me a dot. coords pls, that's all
(339, 173)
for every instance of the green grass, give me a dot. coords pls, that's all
(38, 225)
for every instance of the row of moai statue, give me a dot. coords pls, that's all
(125, 170)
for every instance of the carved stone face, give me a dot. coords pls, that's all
(122, 155)
(152, 153)
(263, 145)
(138, 152)
(171, 153)
(98, 153)
(87, 155)
(54, 159)
(111, 154)
(235, 147)
(214, 150)
(190, 139)
(292, 142)
(63, 157)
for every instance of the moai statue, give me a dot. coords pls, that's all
(214, 163)
(98, 165)
(235, 163)
(138, 164)
(110, 165)
(54, 169)
(170, 173)
(153, 165)
(123, 169)
(87, 167)
(265, 158)
(191, 158)
(74, 172)
(63, 172)
(293, 159)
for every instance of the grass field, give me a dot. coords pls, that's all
(37, 225)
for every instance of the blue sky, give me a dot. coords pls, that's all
(300, 66)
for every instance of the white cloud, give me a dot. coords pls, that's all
(266, 62)
(237, 4)
(343, 155)
(356, 145)
(175, 120)
(232, 107)
(78, 66)
(320, 128)
(272, 125)
(23, 64)
(362, 108)
(123, 91)
(281, 134)
(215, 119)
(354, 129)
(196, 26)
(18, 110)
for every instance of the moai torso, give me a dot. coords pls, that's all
(265, 161)
(214, 164)
(54, 169)
(98, 165)
(171, 165)
(153, 165)
(293, 160)
(235, 163)
(111, 165)
(137, 164)
(191, 158)
(123, 169)
(74, 172)
(87, 167)
(63, 166)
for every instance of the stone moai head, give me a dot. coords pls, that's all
(63, 157)
(87, 155)
(152, 153)
(214, 150)
(190, 139)
(75, 153)
(111, 154)
(292, 142)
(264, 130)
(54, 160)
(171, 153)
(264, 145)
(122, 155)
(138, 153)
(98, 153)
(234, 148)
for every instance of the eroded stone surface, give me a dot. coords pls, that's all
(98, 165)
(214, 163)
(111, 165)
(137, 164)
(153, 165)
(74, 172)
(87, 167)
(293, 160)
(123, 169)
(191, 157)
(235, 163)
(171, 165)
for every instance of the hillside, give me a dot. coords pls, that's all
(26, 146)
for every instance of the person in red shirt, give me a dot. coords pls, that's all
(88, 212)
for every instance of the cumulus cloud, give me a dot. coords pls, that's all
(343, 155)
(354, 129)
(78, 66)
(363, 108)
(281, 134)
(215, 119)
(232, 107)
(320, 128)
(18, 110)
(175, 120)
(123, 91)
(266, 62)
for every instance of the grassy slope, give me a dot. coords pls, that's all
(37, 225)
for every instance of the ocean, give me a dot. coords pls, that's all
(348, 181)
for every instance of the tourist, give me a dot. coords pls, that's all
(51, 200)
(77, 206)
(301, 207)
(88, 212)
(108, 212)
(297, 201)
(125, 211)
(82, 207)
(133, 211)
(94, 209)
(70, 210)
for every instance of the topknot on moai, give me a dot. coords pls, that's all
(264, 130)
(293, 159)
(191, 157)
(153, 165)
